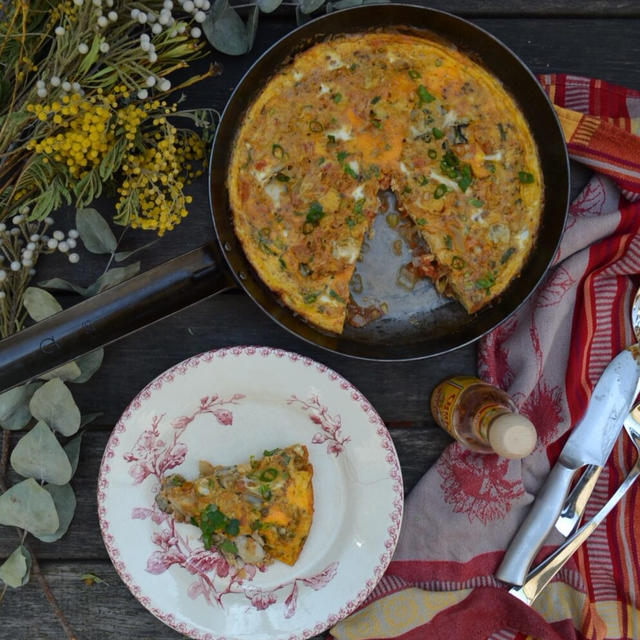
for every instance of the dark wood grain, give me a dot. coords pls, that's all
(596, 38)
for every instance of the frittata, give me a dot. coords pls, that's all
(258, 511)
(366, 112)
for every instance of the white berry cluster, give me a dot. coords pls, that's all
(22, 242)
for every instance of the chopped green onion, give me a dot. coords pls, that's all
(413, 74)
(525, 177)
(351, 223)
(441, 189)
(437, 133)
(447, 241)
(458, 263)
(305, 270)
(358, 206)
(283, 264)
(277, 151)
(421, 222)
(432, 153)
(476, 202)
(321, 160)
(316, 126)
(337, 97)
(376, 99)
(310, 298)
(282, 177)
(507, 254)
(269, 475)
(342, 156)
(332, 139)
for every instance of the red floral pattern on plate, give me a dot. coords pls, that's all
(172, 547)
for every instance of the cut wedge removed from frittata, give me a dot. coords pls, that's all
(258, 511)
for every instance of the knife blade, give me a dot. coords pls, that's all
(590, 443)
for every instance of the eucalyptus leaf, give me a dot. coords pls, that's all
(65, 501)
(59, 284)
(38, 454)
(54, 404)
(252, 26)
(113, 277)
(28, 506)
(69, 371)
(226, 32)
(72, 449)
(218, 8)
(309, 6)
(16, 569)
(14, 406)
(95, 232)
(40, 304)
(267, 6)
(88, 364)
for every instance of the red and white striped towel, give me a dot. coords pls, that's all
(465, 510)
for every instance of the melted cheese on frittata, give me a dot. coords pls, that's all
(365, 112)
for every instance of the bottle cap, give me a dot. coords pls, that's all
(511, 435)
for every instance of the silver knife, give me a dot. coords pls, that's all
(590, 443)
(575, 504)
(540, 577)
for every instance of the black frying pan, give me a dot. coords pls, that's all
(419, 323)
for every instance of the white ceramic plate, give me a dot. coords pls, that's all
(224, 406)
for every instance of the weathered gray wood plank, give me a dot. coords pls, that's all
(418, 447)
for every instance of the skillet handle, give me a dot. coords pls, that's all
(111, 315)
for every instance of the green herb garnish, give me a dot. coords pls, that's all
(432, 153)
(337, 296)
(229, 547)
(376, 99)
(413, 74)
(350, 172)
(342, 156)
(424, 95)
(525, 177)
(282, 177)
(486, 282)
(466, 178)
(336, 97)
(447, 241)
(277, 151)
(476, 202)
(315, 213)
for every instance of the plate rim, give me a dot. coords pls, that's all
(182, 368)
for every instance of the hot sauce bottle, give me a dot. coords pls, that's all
(482, 417)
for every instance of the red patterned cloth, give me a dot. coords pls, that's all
(465, 510)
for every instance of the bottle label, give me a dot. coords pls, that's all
(445, 398)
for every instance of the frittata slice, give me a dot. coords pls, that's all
(258, 511)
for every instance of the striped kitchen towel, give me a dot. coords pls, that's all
(462, 514)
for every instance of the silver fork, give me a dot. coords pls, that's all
(540, 577)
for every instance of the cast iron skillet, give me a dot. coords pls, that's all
(419, 323)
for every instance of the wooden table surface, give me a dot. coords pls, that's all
(598, 38)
